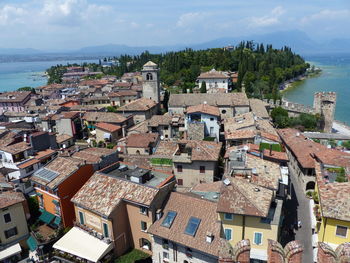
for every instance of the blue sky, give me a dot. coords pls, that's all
(69, 24)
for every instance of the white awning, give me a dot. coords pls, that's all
(10, 251)
(93, 132)
(92, 248)
(258, 254)
(314, 254)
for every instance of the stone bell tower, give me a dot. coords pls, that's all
(150, 77)
(324, 104)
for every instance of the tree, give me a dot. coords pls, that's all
(111, 109)
(203, 87)
(26, 89)
(346, 144)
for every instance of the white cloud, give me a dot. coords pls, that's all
(189, 19)
(267, 20)
(10, 14)
(327, 14)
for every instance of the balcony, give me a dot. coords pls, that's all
(92, 232)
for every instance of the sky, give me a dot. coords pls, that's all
(72, 24)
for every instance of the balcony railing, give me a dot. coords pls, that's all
(92, 232)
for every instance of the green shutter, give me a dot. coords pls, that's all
(105, 230)
(81, 217)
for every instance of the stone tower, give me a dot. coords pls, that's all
(324, 104)
(150, 77)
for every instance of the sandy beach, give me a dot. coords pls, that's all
(341, 128)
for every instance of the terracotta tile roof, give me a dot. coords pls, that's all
(7, 137)
(141, 140)
(102, 193)
(122, 93)
(269, 136)
(301, 147)
(203, 150)
(16, 148)
(240, 122)
(93, 155)
(213, 74)
(204, 108)
(28, 163)
(123, 84)
(240, 134)
(141, 127)
(244, 198)
(45, 153)
(166, 149)
(334, 157)
(259, 108)
(107, 127)
(109, 117)
(14, 96)
(62, 138)
(142, 104)
(93, 82)
(65, 115)
(334, 197)
(63, 166)
(214, 99)
(9, 198)
(187, 206)
(207, 187)
(157, 120)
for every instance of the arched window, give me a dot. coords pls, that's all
(149, 76)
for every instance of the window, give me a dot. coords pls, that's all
(149, 76)
(169, 218)
(11, 232)
(179, 168)
(228, 216)
(145, 244)
(257, 238)
(81, 217)
(180, 182)
(341, 231)
(105, 230)
(29, 169)
(165, 244)
(202, 169)
(143, 210)
(143, 226)
(166, 128)
(223, 111)
(211, 119)
(7, 218)
(165, 255)
(228, 234)
(192, 226)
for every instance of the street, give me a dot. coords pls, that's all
(298, 209)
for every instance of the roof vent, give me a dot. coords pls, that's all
(256, 189)
(227, 182)
(215, 196)
(298, 134)
(204, 102)
(209, 237)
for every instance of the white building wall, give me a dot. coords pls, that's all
(178, 254)
(215, 83)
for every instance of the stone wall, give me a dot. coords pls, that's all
(324, 104)
(195, 130)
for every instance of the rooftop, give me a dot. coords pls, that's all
(142, 104)
(141, 140)
(334, 197)
(238, 196)
(14, 96)
(60, 138)
(239, 122)
(186, 207)
(107, 127)
(9, 198)
(103, 192)
(16, 148)
(213, 74)
(58, 170)
(122, 93)
(213, 99)
(109, 117)
(259, 108)
(93, 154)
(204, 108)
(166, 119)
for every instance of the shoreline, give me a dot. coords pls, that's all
(294, 83)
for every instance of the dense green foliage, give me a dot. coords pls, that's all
(261, 69)
(346, 144)
(132, 256)
(341, 175)
(274, 147)
(55, 73)
(203, 88)
(304, 121)
(161, 161)
(26, 89)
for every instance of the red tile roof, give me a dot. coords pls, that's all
(204, 108)
(142, 140)
(107, 127)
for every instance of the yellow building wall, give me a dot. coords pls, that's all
(252, 225)
(328, 228)
(94, 221)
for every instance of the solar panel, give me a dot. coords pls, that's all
(46, 174)
(192, 226)
(168, 220)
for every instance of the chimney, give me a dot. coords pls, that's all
(159, 214)
(209, 237)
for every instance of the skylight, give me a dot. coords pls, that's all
(192, 226)
(168, 220)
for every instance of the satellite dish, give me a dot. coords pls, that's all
(64, 146)
(119, 149)
(245, 147)
(162, 137)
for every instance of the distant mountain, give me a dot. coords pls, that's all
(19, 51)
(299, 41)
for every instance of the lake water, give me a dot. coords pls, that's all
(14, 75)
(335, 77)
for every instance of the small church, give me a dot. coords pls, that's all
(151, 84)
